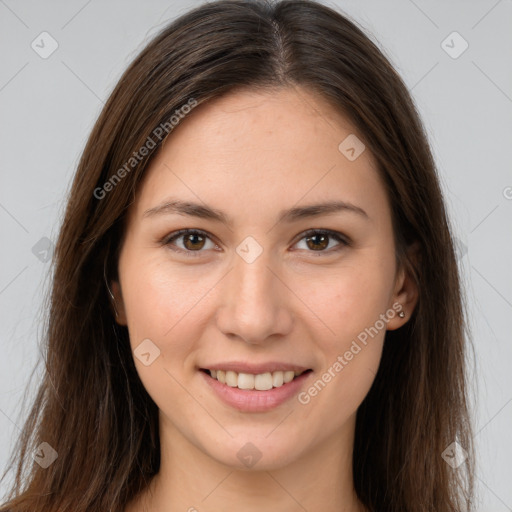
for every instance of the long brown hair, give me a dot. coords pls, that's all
(91, 406)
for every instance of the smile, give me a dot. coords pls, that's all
(255, 392)
(249, 381)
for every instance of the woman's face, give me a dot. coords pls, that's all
(251, 291)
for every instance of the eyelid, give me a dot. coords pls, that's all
(186, 231)
(343, 240)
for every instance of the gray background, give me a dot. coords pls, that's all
(48, 106)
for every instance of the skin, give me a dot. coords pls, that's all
(252, 154)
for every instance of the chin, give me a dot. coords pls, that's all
(255, 452)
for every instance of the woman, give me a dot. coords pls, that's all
(256, 302)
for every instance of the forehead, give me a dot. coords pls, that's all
(252, 149)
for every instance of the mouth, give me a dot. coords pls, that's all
(254, 382)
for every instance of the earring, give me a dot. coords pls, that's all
(401, 314)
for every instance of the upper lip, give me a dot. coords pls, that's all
(243, 367)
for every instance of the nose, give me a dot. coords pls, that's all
(255, 302)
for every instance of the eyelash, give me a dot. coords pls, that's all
(344, 241)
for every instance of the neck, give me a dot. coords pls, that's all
(189, 480)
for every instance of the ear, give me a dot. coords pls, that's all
(118, 303)
(406, 293)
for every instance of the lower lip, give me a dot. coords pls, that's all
(254, 400)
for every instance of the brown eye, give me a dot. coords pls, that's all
(189, 241)
(318, 241)
(193, 241)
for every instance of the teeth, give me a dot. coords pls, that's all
(245, 381)
(260, 382)
(277, 379)
(288, 376)
(231, 379)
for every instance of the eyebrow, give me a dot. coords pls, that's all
(291, 215)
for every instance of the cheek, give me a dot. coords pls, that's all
(337, 393)
(164, 304)
(351, 303)
(350, 357)
(349, 300)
